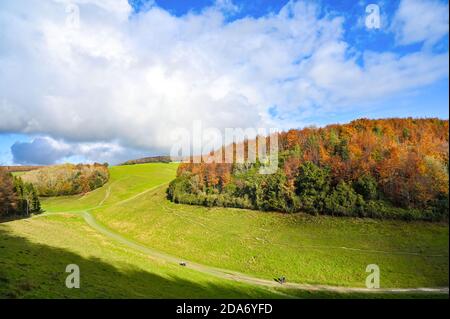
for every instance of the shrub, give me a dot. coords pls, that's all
(440, 208)
(384, 210)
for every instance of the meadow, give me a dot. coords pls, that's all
(314, 250)
(34, 254)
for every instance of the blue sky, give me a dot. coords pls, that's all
(255, 8)
(119, 81)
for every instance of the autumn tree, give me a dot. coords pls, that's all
(394, 167)
(8, 197)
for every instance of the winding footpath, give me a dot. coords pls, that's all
(224, 273)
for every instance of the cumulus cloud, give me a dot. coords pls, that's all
(128, 80)
(40, 151)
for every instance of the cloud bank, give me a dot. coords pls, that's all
(99, 74)
(46, 151)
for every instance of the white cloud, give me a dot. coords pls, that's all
(421, 21)
(226, 6)
(128, 81)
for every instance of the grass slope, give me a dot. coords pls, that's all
(305, 249)
(35, 252)
(125, 182)
(34, 255)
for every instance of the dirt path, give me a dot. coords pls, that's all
(233, 275)
(228, 274)
(140, 194)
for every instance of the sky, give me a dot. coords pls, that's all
(112, 80)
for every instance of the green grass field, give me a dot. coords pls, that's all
(304, 249)
(35, 252)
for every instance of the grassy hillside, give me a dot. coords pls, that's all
(35, 252)
(124, 183)
(34, 255)
(305, 249)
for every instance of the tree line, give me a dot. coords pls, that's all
(389, 168)
(16, 196)
(67, 179)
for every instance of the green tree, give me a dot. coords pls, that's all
(272, 192)
(28, 199)
(344, 201)
(367, 187)
(35, 203)
(312, 186)
(8, 197)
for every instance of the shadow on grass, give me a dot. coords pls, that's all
(10, 218)
(31, 270)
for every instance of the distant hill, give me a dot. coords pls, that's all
(67, 179)
(12, 169)
(151, 159)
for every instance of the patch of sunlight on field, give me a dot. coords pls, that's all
(125, 181)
